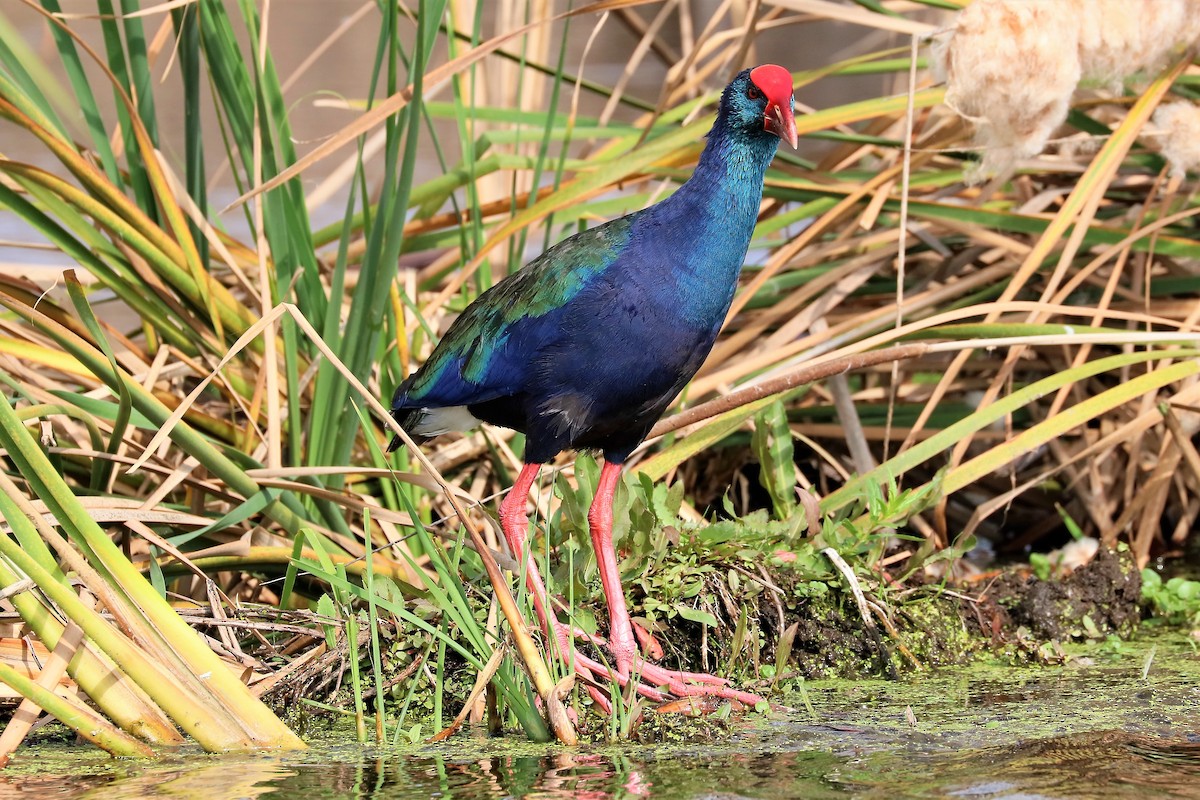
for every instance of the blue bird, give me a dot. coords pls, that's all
(587, 345)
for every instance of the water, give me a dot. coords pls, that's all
(1098, 729)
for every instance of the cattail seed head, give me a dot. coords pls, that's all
(1179, 127)
(1011, 66)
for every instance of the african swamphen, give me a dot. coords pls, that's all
(586, 346)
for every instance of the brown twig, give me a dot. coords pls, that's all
(808, 373)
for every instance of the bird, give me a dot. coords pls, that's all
(587, 345)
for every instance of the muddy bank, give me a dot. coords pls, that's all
(1108, 725)
(1102, 597)
(915, 626)
(777, 630)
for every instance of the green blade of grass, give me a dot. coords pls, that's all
(75, 715)
(946, 438)
(260, 724)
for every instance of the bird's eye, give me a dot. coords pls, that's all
(752, 92)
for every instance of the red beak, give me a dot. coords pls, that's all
(782, 122)
(776, 84)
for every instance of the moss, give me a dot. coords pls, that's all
(937, 632)
(738, 585)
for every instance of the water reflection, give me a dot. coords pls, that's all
(1100, 731)
(584, 776)
(199, 778)
(581, 776)
(1110, 764)
(1101, 765)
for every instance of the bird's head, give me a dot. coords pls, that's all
(760, 99)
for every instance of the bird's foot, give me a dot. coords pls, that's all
(591, 670)
(624, 645)
(646, 641)
(692, 684)
(651, 681)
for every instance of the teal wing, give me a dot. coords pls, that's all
(473, 362)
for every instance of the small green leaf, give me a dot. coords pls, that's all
(326, 608)
(697, 615)
(1041, 565)
(772, 445)
(1072, 526)
(783, 650)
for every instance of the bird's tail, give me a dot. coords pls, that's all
(424, 419)
(406, 415)
(408, 419)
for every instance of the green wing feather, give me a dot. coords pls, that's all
(544, 285)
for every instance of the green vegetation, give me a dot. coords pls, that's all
(1175, 600)
(194, 431)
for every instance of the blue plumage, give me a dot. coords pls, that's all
(587, 345)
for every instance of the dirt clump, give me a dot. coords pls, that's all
(1100, 597)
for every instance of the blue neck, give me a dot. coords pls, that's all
(729, 178)
(713, 215)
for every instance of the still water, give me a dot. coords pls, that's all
(1117, 724)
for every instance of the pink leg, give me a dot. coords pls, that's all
(514, 521)
(622, 642)
(620, 630)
